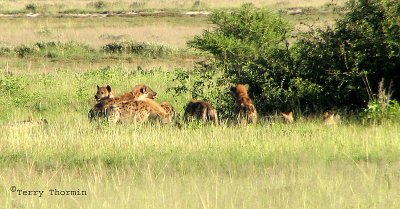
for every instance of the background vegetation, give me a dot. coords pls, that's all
(50, 66)
(337, 67)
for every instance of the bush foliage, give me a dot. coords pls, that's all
(354, 55)
(324, 68)
(138, 48)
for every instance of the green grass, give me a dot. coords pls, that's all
(74, 50)
(300, 165)
(303, 165)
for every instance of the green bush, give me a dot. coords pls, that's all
(4, 50)
(324, 68)
(381, 108)
(23, 50)
(353, 55)
(138, 48)
(54, 49)
(99, 4)
(206, 85)
(32, 7)
(250, 45)
(377, 112)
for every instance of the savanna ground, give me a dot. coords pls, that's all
(269, 165)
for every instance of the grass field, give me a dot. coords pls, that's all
(269, 165)
(85, 6)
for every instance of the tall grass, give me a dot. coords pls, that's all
(300, 165)
(64, 98)
(303, 165)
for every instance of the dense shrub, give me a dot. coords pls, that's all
(325, 68)
(99, 4)
(250, 45)
(53, 49)
(5, 50)
(352, 57)
(24, 50)
(138, 48)
(32, 7)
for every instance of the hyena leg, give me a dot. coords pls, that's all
(204, 116)
(253, 118)
(214, 116)
(242, 118)
(92, 115)
(164, 116)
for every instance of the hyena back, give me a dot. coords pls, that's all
(201, 110)
(247, 110)
(106, 99)
(137, 111)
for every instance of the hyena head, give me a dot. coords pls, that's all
(142, 91)
(288, 116)
(239, 91)
(329, 118)
(104, 92)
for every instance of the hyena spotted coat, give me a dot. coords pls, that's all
(136, 111)
(106, 98)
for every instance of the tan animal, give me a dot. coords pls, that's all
(140, 91)
(104, 92)
(247, 110)
(106, 98)
(137, 111)
(200, 110)
(330, 119)
(288, 117)
(170, 110)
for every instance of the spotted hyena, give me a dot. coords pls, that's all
(247, 110)
(106, 98)
(200, 110)
(331, 119)
(104, 92)
(137, 111)
(288, 117)
(170, 110)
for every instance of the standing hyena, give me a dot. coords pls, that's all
(201, 110)
(247, 110)
(105, 98)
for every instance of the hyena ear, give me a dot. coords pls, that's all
(247, 86)
(233, 87)
(143, 90)
(98, 87)
(108, 88)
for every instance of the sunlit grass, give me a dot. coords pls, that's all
(303, 165)
(300, 165)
